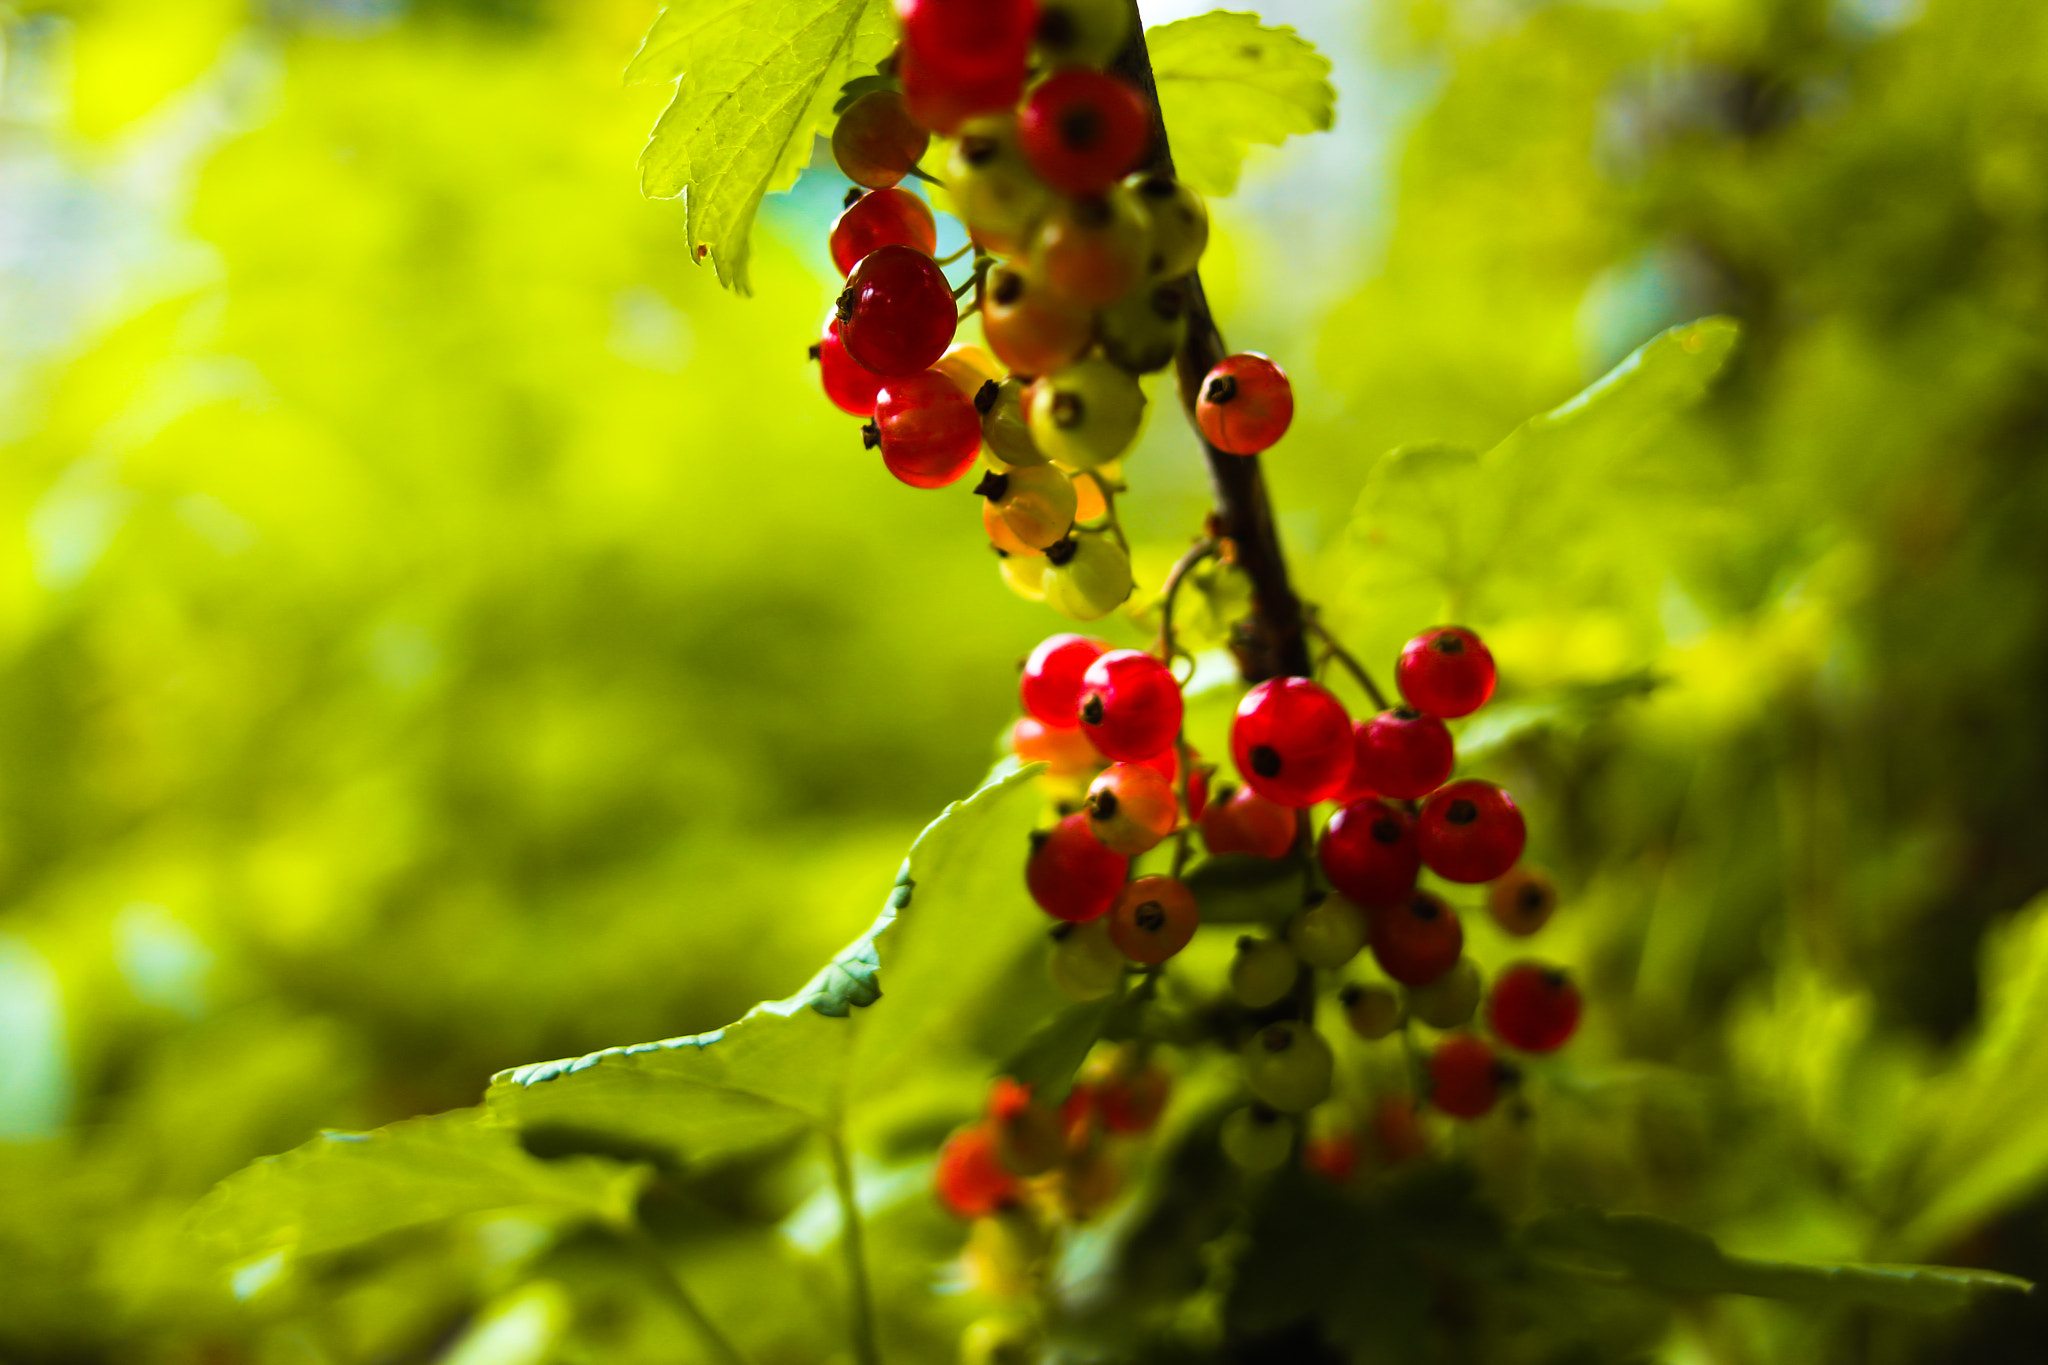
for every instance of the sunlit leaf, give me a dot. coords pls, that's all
(1225, 82)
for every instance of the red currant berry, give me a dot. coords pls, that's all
(1153, 918)
(1397, 1132)
(1470, 831)
(1445, 672)
(928, 431)
(896, 313)
(1334, 1157)
(1130, 705)
(1132, 1104)
(1292, 741)
(1070, 874)
(1091, 251)
(1245, 405)
(1081, 1112)
(1522, 901)
(1132, 808)
(876, 142)
(942, 103)
(1369, 852)
(1417, 940)
(1030, 1137)
(850, 385)
(1240, 820)
(1355, 788)
(1031, 329)
(1402, 753)
(969, 40)
(1533, 1008)
(1065, 750)
(1465, 1078)
(971, 1180)
(892, 217)
(1084, 130)
(1051, 686)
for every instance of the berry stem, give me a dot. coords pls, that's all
(1272, 640)
(1196, 553)
(852, 1240)
(1351, 665)
(684, 1302)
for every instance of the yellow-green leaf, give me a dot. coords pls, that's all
(1227, 81)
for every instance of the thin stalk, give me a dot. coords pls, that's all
(1351, 665)
(853, 1242)
(1196, 553)
(685, 1303)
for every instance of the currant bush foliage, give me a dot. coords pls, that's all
(1227, 81)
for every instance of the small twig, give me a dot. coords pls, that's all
(1109, 509)
(684, 1301)
(948, 260)
(1355, 668)
(866, 1347)
(1168, 591)
(922, 174)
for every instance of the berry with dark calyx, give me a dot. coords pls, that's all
(1257, 1139)
(1085, 964)
(1533, 1008)
(850, 385)
(1153, 918)
(1402, 753)
(1245, 404)
(1091, 251)
(1001, 537)
(896, 314)
(1522, 901)
(1239, 820)
(1180, 224)
(1465, 1078)
(1070, 874)
(968, 40)
(1132, 1103)
(971, 1180)
(1083, 131)
(1031, 329)
(1327, 934)
(1087, 576)
(1090, 503)
(1131, 808)
(1022, 574)
(1130, 705)
(993, 189)
(1370, 853)
(1449, 1001)
(1030, 1138)
(1086, 414)
(1292, 741)
(876, 142)
(1143, 333)
(1081, 32)
(1445, 672)
(1288, 1066)
(1037, 502)
(1263, 971)
(1004, 429)
(1373, 1012)
(1334, 1157)
(892, 217)
(928, 431)
(1064, 749)
(1470, 831)
(1418, 940)
(1050, 685)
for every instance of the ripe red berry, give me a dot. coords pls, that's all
(1292, 741)
(1402, 753)
(1133, 1103)
(969, 40)
(892, 217)
(1397, 1131)
(1465, 1078)
(1240, 820)
(1416, 940)
(1533, 1008)
(850, 385)
(1445, 672)
(1130, 705)
(896, 313)
(942, 103)
(1333, 1156)
(1063, 748)
(1153, 918)
(1030, 1137)
(1167, 763)
(1369, 852)
(1031, 329)
(1070, 874)
(971, 1180)
(928, 431)
(1245, 405)
(1084, 130)
(876, 142)
(1470, 831)
(1051, 686)
(1131, 808)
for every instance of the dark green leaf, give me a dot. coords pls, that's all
(1242, 888)
(1049, 1058)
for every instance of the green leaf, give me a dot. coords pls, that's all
(1225, 82)
(754, 80)
(1048, 1059)
(1677, 1260)
(1242, 888)
(342, 1189)
(1565, 708)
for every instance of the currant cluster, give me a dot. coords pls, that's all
(1080, 280)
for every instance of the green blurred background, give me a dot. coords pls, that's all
(439, 629)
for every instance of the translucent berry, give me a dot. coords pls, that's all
(1373, 1012)
(1370, 853)
(1397, 1132)
(1050, 686)
(945, 104)
(1450, 1000)
(1087, 576)
(1132, 1103)
(1533, 1008)
(1327, 934)
(993, 188)
(1292, 741)
(1465, 1078)
(1153, 918)
(1131, 808)
(1001, 537)
(1445, 672)
(1130, 705)
(896, 313)
(1082, 32)
(1418, 940)
(1065, 750)
(892, 217)
(850, 385)
(1288, 1066)
(1086, 414)
(1333, 1156)
(1036, 502)
(1402, 753)
(969, 40)
(1522, 901)
(1005, 430)
(1239, 820)
(1470, 831)
(1180, 225)
(1023, 574)
(1030, 329)
(876, 142)
(1257, 1139)
(1091, 251)
(1089, 503)
(1263, 971)
(971, 1180)
(1083, 130)
(970, 368)
(928, 431)
(1245, 405)
(1030, 1138)
(1143, 333)
(1070, 874)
